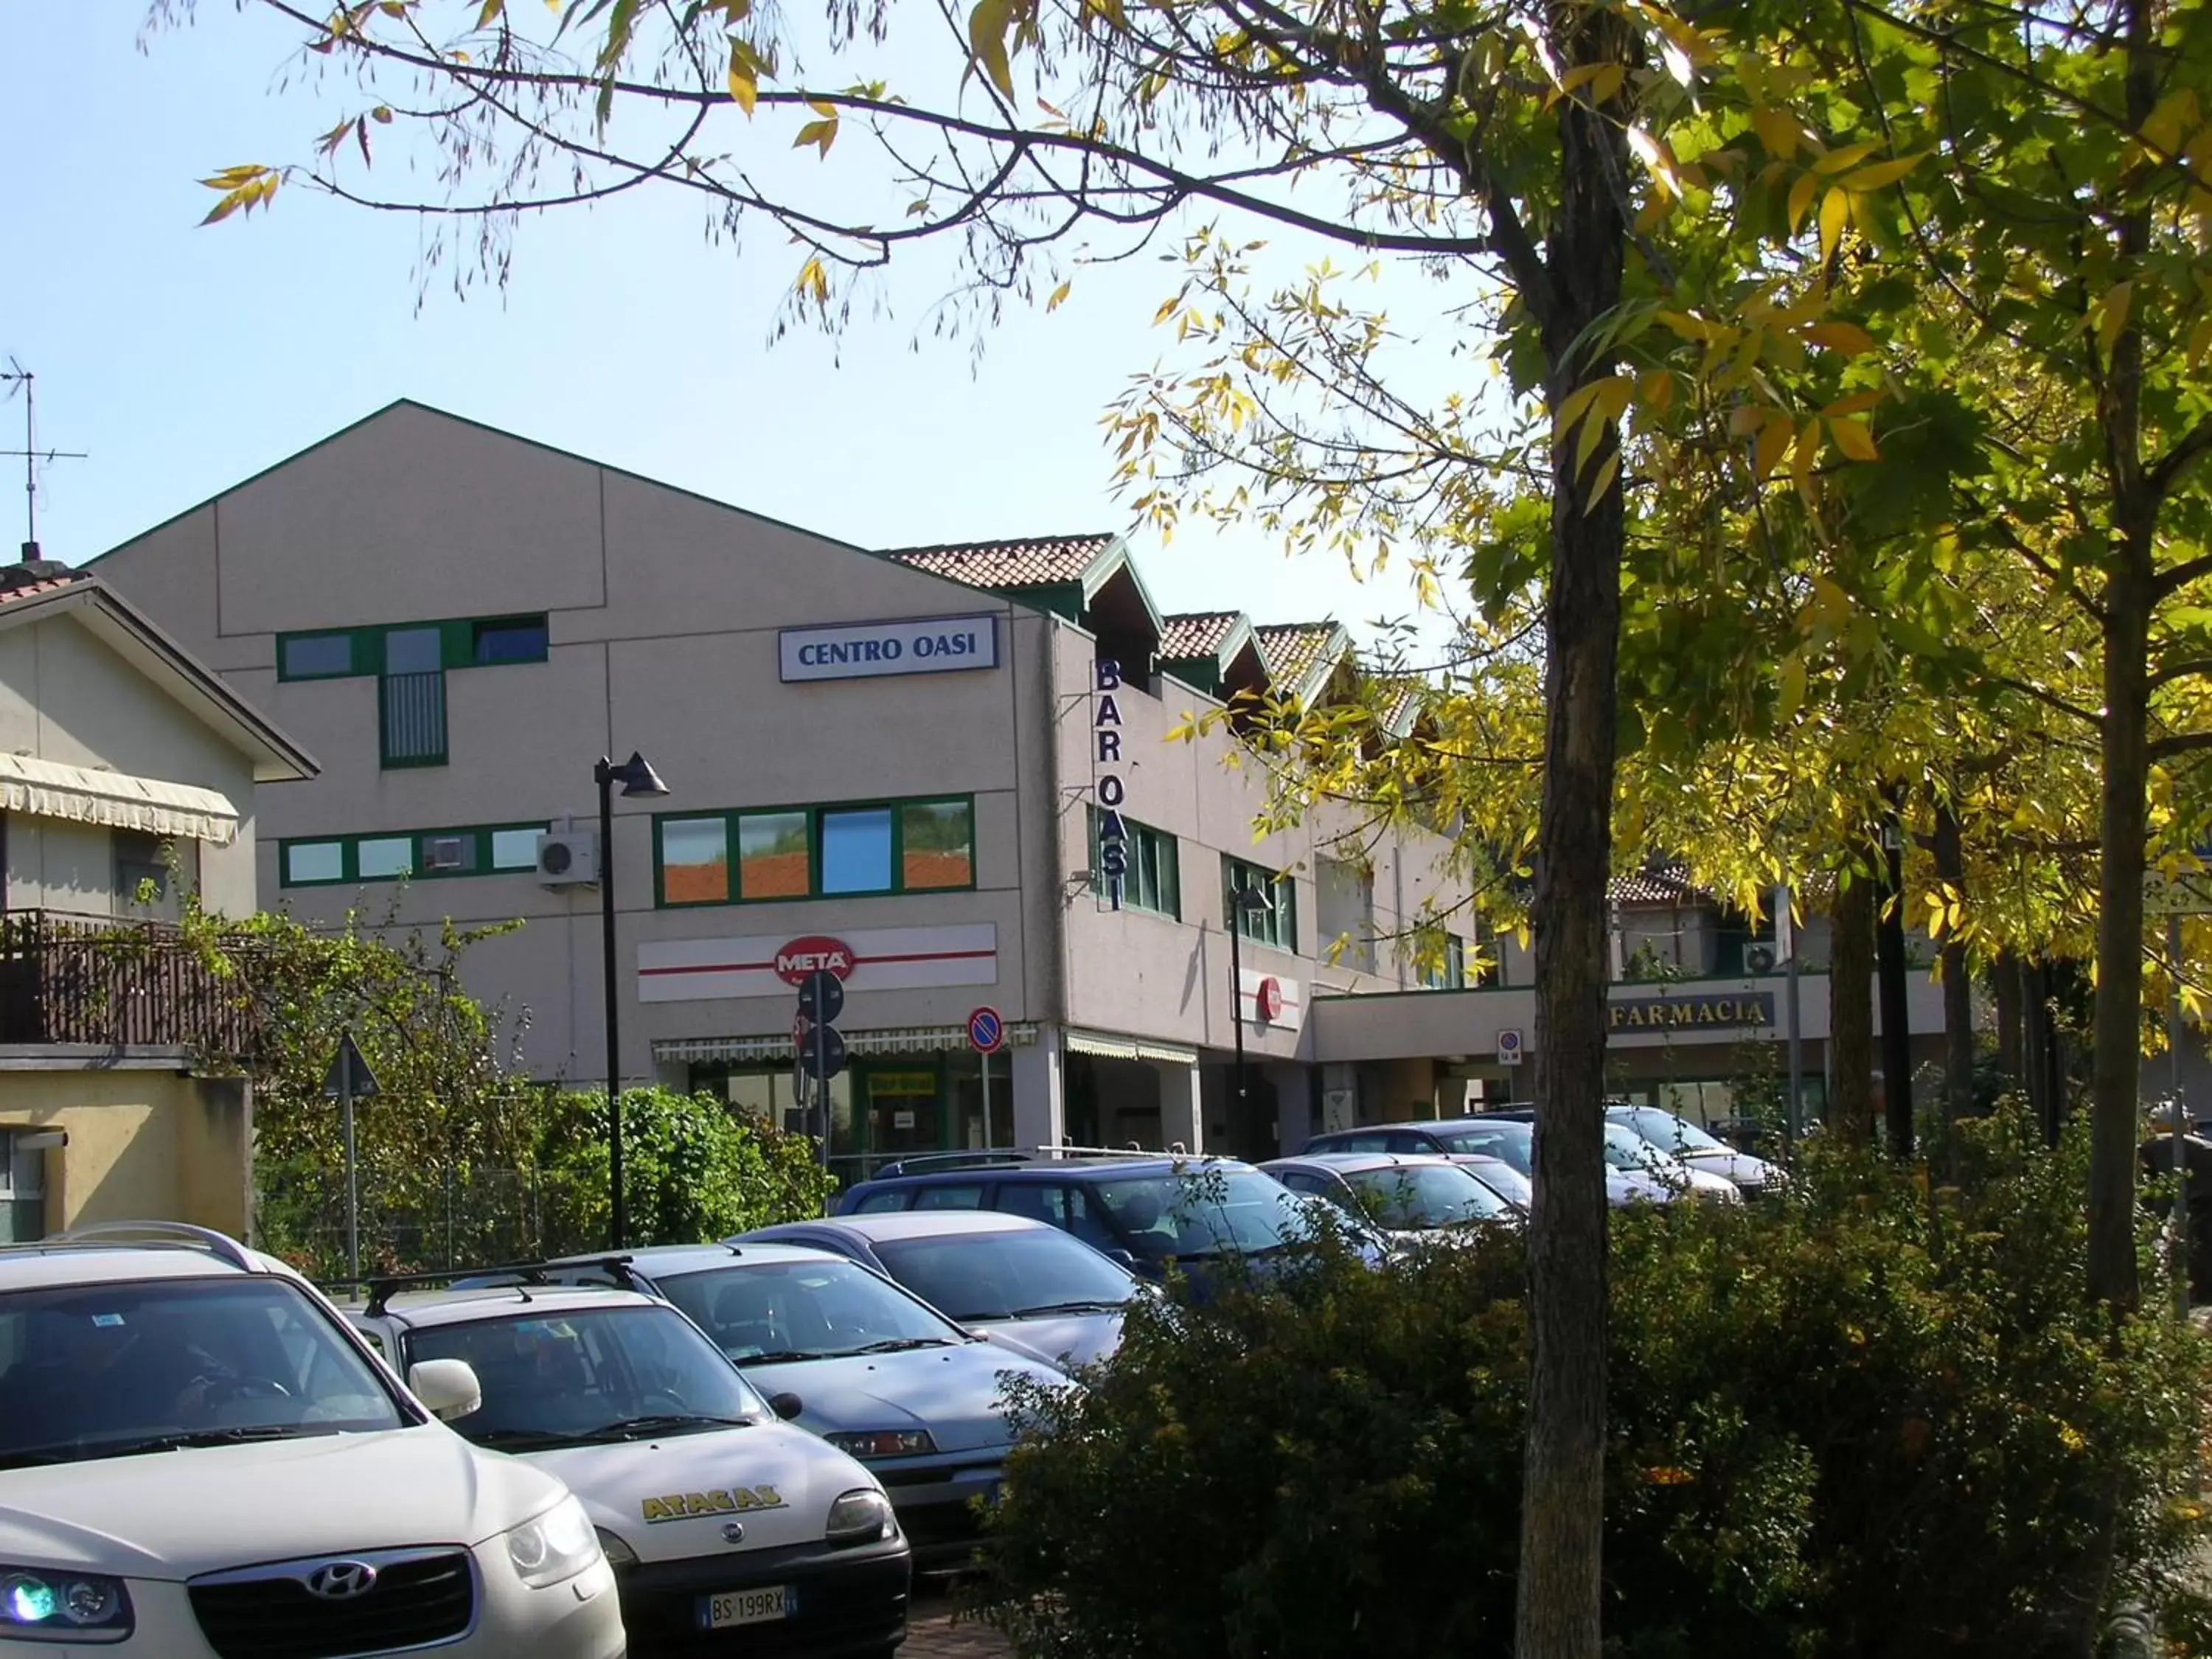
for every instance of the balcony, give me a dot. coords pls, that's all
(90, 982)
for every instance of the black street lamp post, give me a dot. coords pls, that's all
(636, 778)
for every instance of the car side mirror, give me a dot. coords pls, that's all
(448, 1387)
(786, 1405)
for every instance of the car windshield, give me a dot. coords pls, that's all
(105, 1371)
(556, 1375)
(1206, 1212)
(1417, 1197)
(765, 1313)
(1508, 1143)
(1665, 1129)
(1626, 1150)
(1009, 1275)
(1502, 1178)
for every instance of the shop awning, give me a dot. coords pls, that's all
(901, 1040)
(180, 811)
(1105, 1045)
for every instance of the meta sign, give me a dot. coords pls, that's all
(917, 645)
(1106, 785)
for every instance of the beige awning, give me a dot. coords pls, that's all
(1105, 1045)
(902, 1040)
(85, 794)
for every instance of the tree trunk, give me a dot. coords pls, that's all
(1851, 1010)
(1958, 986)
(2005, 984)
(1558, 1611)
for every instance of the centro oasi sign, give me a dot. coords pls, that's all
(1107, 787)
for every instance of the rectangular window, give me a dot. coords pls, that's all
(310, 863)
(856, 851)
(141, 867)
(22, 1191)
(510, 638)
(1449, 973)
(416, 854)
(774, 857)
(385, 858)
(937, 845)
(805, 853)
(315, 656)
(695, 861)
(1273, 921)
(1151, 877)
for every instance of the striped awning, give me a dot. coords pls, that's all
(896, 1040)
(85, 794)
(1106, 1045)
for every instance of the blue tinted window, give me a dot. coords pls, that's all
(856, 851)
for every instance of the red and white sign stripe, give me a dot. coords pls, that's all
(882, 959)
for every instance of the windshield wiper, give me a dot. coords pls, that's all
(1049, 1308)
(780, 1357)
(199, 1437)
(632, 1428)
(902, 1344)
(524, 1439)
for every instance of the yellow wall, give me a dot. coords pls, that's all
(142, 1145)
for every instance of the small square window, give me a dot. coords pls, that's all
(856, 851)
(385, 857)
(414, 651)
(315, 656)
(510, 639)
(938, 844)
(306, 861)
(772, 856)
(516, 849)
(449, 855)
(141, 867)
(695, 861)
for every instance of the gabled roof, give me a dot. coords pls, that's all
(79, 593)
(1197, 633)
(1202, 647)
(1301, 656)
(1657, 884)
(1075, 569)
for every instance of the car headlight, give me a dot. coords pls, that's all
(882, 1442)
(62, 1606)
(557, 1546)
(862, 1516)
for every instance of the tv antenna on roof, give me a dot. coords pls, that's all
(13, 376)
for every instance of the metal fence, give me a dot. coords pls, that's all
(427, 1223)
(111, 983)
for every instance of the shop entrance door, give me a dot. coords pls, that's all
(903, 1111)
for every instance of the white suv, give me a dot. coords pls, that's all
(198, 1460)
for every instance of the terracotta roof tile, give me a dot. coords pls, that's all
(1656, 885)
(1197, 633)
(1038, 562)
(1292, 649)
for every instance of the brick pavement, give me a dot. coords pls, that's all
(931, 1633)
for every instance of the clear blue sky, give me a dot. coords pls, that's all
(183, 359)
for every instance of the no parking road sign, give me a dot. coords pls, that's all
(987, 1032)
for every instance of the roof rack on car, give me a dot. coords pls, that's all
(176, 1235)
(506, 1275)
(992, 1158)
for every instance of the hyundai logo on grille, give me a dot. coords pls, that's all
(733, 1532)
(341, 1581)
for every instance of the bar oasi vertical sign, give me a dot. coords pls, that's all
(1106, 784)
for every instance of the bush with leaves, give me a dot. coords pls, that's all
(692, 1169)
(1868, 1418)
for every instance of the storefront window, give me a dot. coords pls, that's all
(767, 1096)
(938, 844)
(964, 1083)
(772, 855)
(694, 861)
(856, 851)
(902, 1110)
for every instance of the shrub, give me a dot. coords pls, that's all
(1869, 1418)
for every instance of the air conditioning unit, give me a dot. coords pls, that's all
(1760, 957)
(445, 853)
(568, 858)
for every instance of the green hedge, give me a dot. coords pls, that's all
(1867, 1419)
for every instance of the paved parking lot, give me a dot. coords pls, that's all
(931, 1633)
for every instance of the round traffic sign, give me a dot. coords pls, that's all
(822, 1056)
(987, 1032)
(821, 996)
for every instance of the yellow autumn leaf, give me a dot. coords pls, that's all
(1778, 130)
(1801, 197)
(1857, 404)
(1059, 295)
(987, 38)
(1853, 438)
(2112, 315)
(745, 85)
(1878, 176)
(1792, 694)
(1835, 214)
(1773, 444)
(1846, 337)
(1800, 464)
(1840, 161)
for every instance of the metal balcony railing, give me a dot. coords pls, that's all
(89, 979)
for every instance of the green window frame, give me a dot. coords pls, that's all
(1277, 926)
(481, 849)
(1153, 880)
(928, 845)
(463, 642)
(1449, 973)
